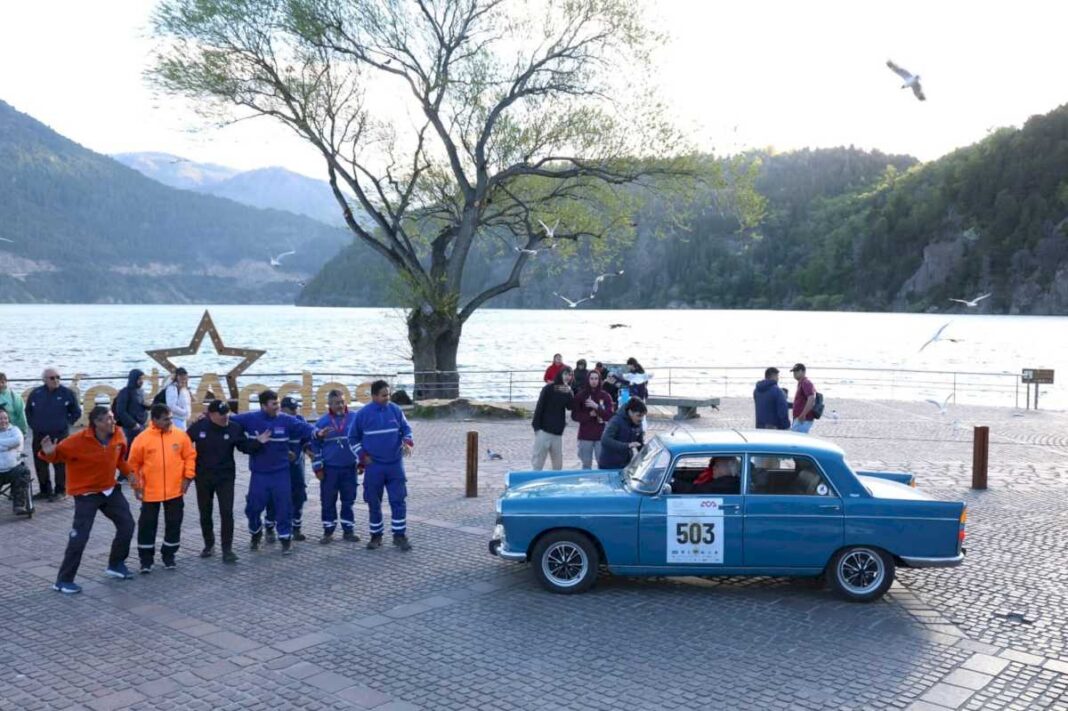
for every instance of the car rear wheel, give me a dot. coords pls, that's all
(860, 573)
(566, 562)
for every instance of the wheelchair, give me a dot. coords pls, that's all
(7, 484)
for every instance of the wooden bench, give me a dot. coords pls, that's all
(686, 406)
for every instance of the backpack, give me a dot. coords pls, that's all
(161, 397)
(817, 408)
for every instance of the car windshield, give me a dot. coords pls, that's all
(646, 470)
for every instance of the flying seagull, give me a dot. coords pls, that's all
(598, 280)
(973, 303)
(179, 160)
(490, 454)
(570, 303)
(939, 337)
(524, 250)
(618, 325)
(912, 81)
(940, 405)
(5, 239)
(550, 233)
(277, 261)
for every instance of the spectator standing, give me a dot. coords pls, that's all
(50, 411)
(163, 465)
(16, 408)
(13, 471)
(130, 410)
(178, 399)
(804, 400)
(581, 375)
(769, 401)
(93, 455)
(638, 387)
(591, 409)
(555, 367)
(550, 419)
(623, 436)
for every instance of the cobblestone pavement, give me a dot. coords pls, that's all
(449, 627)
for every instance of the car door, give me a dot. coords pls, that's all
(793, 514)
(688, 529)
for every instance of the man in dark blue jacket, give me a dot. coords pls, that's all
(334, 465)
(772, 410)
(50, 411)
(270, 467)
(130, 410)
(381, 437)
(623, 436)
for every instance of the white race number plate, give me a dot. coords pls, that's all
(695, 530)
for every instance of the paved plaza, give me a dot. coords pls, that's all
(447, 626)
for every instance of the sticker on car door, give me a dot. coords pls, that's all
(695, 530)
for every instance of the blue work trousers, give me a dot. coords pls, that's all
(276, 488)
(388, 477)
(299, 489)
(338, 482)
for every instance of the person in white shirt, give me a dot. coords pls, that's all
(12, 470)
(179, 400)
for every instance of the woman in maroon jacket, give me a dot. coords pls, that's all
(592, 408)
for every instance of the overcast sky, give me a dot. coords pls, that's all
(739, 74)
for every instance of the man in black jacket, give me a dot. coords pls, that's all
(215, 438)
(50, 411)
(550, 419)
(130, 410)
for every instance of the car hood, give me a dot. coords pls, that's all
(592, 483)
(886, 489)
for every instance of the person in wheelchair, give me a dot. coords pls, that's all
(13, 473)
(721, 476)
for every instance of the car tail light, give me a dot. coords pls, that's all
(912, 482)
(963, 522)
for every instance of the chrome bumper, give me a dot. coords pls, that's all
(951, 562)
(496, 546)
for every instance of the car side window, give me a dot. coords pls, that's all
(705, 474)
(782, 475)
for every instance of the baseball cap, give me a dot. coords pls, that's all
(291, 403)
(797, 367)
(219, 407)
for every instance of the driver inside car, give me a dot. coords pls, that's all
(721, 476)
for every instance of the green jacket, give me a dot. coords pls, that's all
(16, 408)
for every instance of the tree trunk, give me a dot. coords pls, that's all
(435, 338)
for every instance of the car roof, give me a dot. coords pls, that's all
(680, 441)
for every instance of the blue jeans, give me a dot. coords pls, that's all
(802, 426)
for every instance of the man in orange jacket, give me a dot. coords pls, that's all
(163, 462)
(92, 456)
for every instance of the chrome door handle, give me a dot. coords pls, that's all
(730, 507)
(833, 507)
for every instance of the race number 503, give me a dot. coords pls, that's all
(695, 532)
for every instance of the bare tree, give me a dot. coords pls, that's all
(441, 122)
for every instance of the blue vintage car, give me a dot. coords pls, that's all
(727, 502)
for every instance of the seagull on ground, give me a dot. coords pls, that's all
(570, 303)
(598, 280)
(490, 454)
(940, 405)
(277, 261)
(939, 337)
(912, 81)
(973, 303)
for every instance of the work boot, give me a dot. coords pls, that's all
(327, 537)
(208, 551)
(271, 536)
(254, 544)
(402, 543)
(287, 545)
(375, 542)
(298, 535)
(351, 536)
(42, 496)
(229, 556)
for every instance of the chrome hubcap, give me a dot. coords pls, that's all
(861, 571)
(564, 564)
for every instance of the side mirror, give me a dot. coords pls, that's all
(665, 490)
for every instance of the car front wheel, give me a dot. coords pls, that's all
(566, 562)
(860, 573)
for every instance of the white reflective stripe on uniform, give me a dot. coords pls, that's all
(173, 545)
(255, 532)
(398, 520)
(147, 546)
(348, 523)
(393, 429)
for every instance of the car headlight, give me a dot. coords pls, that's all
(497, 506)
(498, 533)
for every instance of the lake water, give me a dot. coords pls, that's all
(694, 352)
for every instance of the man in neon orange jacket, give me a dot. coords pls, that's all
(163, 462)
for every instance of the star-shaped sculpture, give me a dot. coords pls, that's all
(206, 327)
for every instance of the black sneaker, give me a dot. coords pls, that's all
(375, 542)
(351, 536)
(22, 511)
(208, 552)
(287, 546)
(146, 568)
(42, 496)
(254, 544)
(229, 557)
(297, 535)
(271, 536)
(327, 537)
(402, 543)
(170, 565)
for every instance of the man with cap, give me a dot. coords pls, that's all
(215, 437)
(804, 400)
(334, 465)
(291, 406)
(270, 467)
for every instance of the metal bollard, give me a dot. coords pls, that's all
(472, 465)
(980, 456)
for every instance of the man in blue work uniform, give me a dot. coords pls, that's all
(381, 437)
(299, 487)
(270, 467)
(334, 465)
